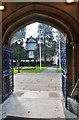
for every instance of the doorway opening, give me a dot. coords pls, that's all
(38, 93)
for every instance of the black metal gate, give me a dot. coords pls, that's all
(64, 80)
(7, 72)
(70, 102)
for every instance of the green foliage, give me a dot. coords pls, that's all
(36, 70)
(19, 51)
(45, 30)
(59, 70)
(15, 70)
(48, 46)
(18, 35)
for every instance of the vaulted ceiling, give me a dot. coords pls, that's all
(18, 14)
(10, 7)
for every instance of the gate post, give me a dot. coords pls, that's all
(74, 63)
(64, 79)
(0, 73)
(0, 55)
(73, 92)
(0, 63)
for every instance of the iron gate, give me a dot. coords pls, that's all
(70, 103)
(64, 80)
(7, 72)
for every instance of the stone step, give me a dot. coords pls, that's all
(21, 118)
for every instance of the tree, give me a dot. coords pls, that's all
(18, 35)
(45, 30)
(19, 51)
(46, 36)
(60, 39)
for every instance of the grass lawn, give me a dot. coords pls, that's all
(15, 71)
(59, 70)
(35, 69)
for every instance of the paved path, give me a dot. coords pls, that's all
(51, 69)
(37, 95)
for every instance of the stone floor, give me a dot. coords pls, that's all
(37, 95)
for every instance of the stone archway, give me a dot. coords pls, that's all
(53, 16)
(40, 13)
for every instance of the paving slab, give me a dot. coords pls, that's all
(37, 95)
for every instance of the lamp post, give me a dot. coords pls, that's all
(59, 55)
(59, 49)
(18, 65)
(39, 42)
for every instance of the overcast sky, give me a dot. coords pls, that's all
(32, 30)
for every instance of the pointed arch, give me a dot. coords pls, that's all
(39, 13)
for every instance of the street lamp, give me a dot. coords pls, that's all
(58, 36)
(18, 64)
(59, 55)
(39, 42)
